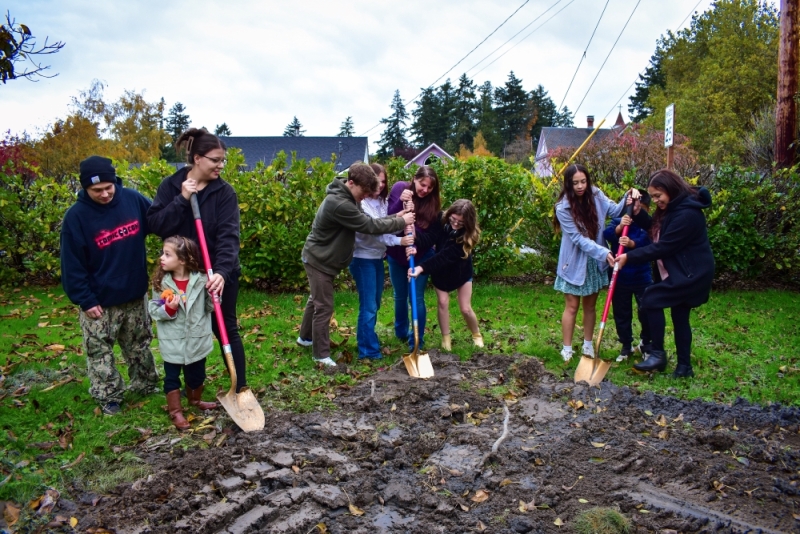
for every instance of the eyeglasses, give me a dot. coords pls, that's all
(456, 222)
(217, 161)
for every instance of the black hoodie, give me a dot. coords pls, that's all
(103, 256)
(171, 214)
(684, 249)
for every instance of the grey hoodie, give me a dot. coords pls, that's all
(329, 246)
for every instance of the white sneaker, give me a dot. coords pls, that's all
(623, 355)
(566, 354)
(588, 350)
(326, 361)
(304, 342)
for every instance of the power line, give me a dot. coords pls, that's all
(411, 100)
(609, 55)
(513, 36)
(560, 106)
(640, 74)
(476, 47)
(518, 42)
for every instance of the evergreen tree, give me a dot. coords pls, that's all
(465, 110)
(564, 118)
(426, 126)
(543, 113)
(222, 129)
(294, 128)
(511, 108)
(486, 118)
(177, 121)
(347, 129)
(394, 136)
(653, 77)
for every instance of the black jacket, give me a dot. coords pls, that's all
(103, 256)
(684, 249)
(448, 268)
(171, 214)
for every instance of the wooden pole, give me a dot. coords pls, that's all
(786, 107)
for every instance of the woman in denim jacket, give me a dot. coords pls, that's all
(580, 215)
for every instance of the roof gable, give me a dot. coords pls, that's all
(432, 150)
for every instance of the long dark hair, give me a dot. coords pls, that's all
(472, 232)
(198, 142)
(428, 208)
(583, 209)
(186, 250)
(377, 168)
(674, 186)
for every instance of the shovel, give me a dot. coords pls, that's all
(243, 407)
(418, 364)
(593, 370)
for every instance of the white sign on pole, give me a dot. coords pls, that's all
(669, 125)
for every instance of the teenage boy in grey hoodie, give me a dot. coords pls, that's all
(329, 250)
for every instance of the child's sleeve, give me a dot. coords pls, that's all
(610, 234)
(158, 310)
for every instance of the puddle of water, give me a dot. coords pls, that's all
(541, 411)
(387, 520)
(462, 458)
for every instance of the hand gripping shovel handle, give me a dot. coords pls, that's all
(611, 286)
(223, 333)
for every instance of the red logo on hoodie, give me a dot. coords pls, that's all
(107, 237)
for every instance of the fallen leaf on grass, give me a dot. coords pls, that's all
(55, 347)
(648, 412)
(576, 405)
(355, 510)
(643, 511)
(480, 496)
(11, 514)
(663, 435)
(208, 438)
(464, 507)
(678, 419)
(73, 522)
(505, 482)
(661, 420)
(481, 527)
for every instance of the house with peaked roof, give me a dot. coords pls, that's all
(425, 155)
(552, 138)
(347, 150)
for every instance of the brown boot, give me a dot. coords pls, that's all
(176, 411)
(194, 399)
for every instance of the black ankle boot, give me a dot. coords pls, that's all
(683, 371)
(656, 361)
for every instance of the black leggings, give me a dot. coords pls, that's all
(194, 374)
(230, 294)
(683, 330)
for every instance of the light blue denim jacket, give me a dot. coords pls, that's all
(576, 248)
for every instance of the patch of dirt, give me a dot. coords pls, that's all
(409, 455)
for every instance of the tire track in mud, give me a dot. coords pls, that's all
(406, 455)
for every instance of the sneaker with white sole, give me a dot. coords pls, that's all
(304, 342)
(623, 354)
(566, 354)
(644, 350)
(326, 361)
(588, 350)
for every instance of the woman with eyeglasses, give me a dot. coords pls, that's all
(421, 195)
(171, 214)
(454, 234)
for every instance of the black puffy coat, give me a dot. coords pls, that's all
(449, 269)
(684, 249)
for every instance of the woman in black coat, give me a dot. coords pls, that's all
(171, 214)
(684, 264)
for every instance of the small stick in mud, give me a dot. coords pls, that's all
(372, 383)
(504, 435)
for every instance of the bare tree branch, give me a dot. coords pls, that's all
(18, 45)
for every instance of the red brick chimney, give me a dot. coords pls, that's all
(590, 121)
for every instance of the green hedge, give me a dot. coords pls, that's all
(753, 225)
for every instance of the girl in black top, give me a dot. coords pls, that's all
(171, 214)
(454, 233)
(684, 264)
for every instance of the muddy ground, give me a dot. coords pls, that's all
(408, 455)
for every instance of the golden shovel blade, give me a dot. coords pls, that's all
(243, 408)
(591, 370)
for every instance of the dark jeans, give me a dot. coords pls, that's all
(622, 301)
(683, 331)
(316, 324)
(229, 295)
(194, 375)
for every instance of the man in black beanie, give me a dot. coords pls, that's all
(104, 271)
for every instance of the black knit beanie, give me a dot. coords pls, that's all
(96, 169)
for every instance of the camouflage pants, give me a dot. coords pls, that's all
(129, 325)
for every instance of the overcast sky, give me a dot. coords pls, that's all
(256, 64)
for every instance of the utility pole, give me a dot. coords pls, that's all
(786, 107)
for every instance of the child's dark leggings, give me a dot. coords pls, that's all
(623, 314)
(194, 374)
(683, 330)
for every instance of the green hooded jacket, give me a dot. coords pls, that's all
(329, 246)
(186, 337)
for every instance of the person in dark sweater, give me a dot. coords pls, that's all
(329, 249)
(632, 280)
(171, 214)
(104, 272)
(454, 233)
(685, 264)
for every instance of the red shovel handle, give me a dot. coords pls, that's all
(201, 236)
(613, 284)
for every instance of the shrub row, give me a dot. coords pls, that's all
(753, 225)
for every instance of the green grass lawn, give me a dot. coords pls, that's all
(745, 345)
